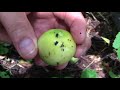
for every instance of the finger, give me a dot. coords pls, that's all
(27, 13)
(4, 36)
(21, 33)
(40, 62)
(61, 67)
(76, 23)
(41, 25)
(82, 49)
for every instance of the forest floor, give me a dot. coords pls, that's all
(101, 57)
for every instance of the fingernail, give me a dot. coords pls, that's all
(27, 47)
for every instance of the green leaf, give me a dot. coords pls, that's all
(89, 73)
(3, 50)
(4, 74)
(30, 61)
(112, 75)
(118, 53)
(73, 60)
(106, 40)
(116, 43)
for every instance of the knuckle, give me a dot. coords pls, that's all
(17, 31)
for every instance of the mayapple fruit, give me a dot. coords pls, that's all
(56, 47)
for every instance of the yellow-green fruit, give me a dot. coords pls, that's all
(56, 47)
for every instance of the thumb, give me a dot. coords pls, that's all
(20, 32)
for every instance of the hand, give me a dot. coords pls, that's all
(17, 29)
(71, 21)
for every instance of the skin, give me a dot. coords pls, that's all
(23, 29)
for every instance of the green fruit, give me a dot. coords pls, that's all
(56, 47)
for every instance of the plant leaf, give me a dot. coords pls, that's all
(74, 60)
(4, 74)
(89, 73)
(3, 50)
(116, 43)
(118, 53)
(112, 75)
(106, 40)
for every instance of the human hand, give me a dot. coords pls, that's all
(15, 28)
(71, 21)
(18, 27)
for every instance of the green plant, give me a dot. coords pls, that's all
(89, 73)
(56, 47)
(112, 75)
(106, 40)
(4, 74)
(116, 44)
(3, 49)
(74, 60)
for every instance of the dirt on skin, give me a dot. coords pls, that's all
(100, 57)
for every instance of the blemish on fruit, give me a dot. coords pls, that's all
(57, 35)
(80, 32)
(56, 43)
(49, 53)
(69, 40)
(46, 56)
(57, 63)
(62, 45)
(62, 49)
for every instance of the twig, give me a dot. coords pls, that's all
(103, 17)
(93, 16)
(89, 64)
